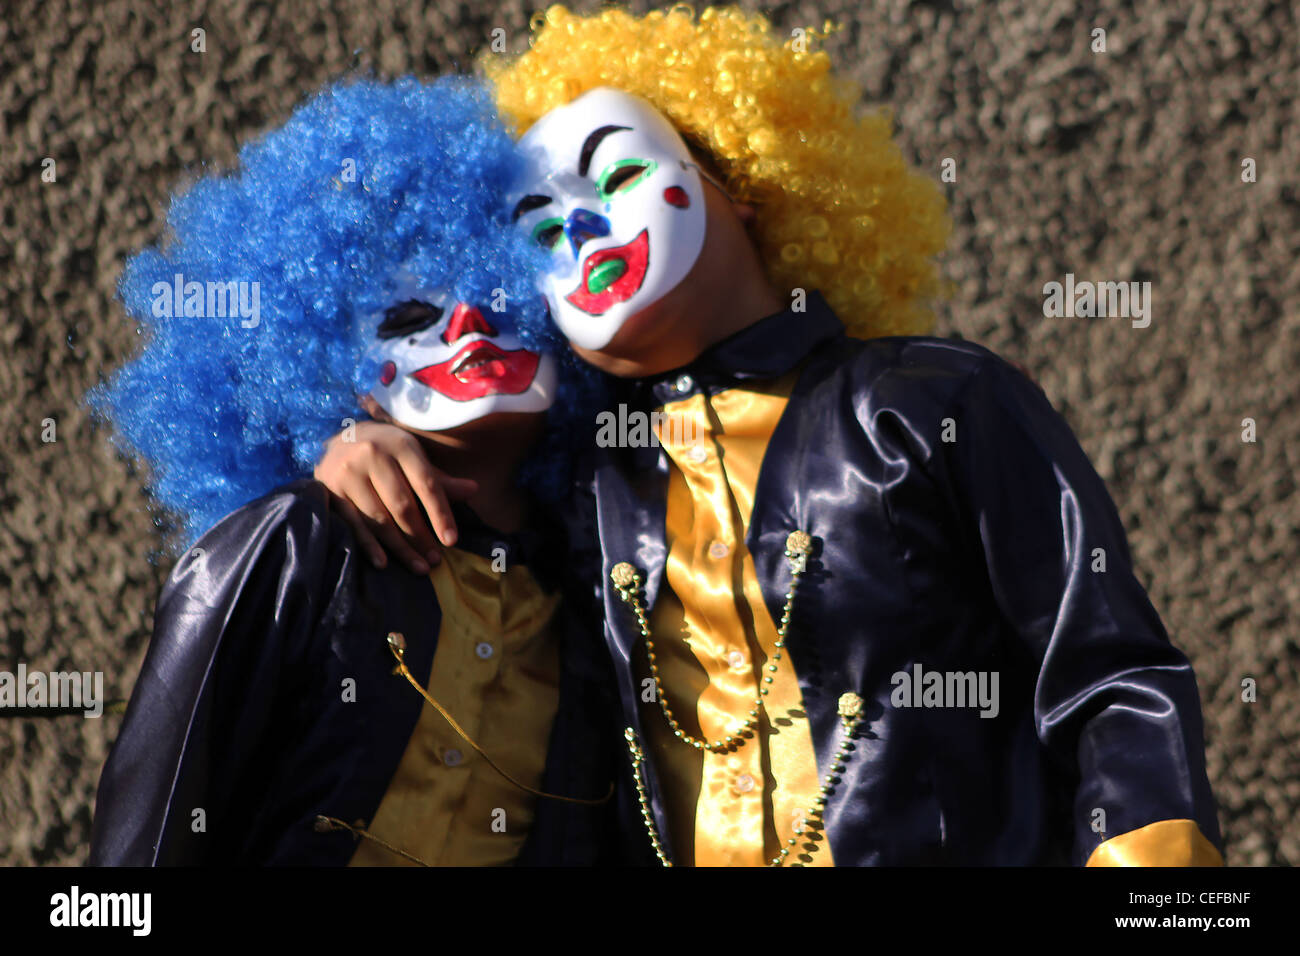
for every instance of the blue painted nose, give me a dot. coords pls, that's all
(581, 225)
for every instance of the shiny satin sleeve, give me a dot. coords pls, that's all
(1115, 703)
(236, 607)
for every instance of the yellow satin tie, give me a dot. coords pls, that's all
(714, 635)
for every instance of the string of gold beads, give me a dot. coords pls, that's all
(627, 580)
(850, 711)
(638, 758)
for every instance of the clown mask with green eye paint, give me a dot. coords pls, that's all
(613, 193)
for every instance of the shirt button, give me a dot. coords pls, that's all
(737, 660)
(453, 758)
(484, 650)
(719, 550)
(744, 783)
(684, 383)
(696, 454)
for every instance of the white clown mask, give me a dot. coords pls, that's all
(443, 363)
(613, 192)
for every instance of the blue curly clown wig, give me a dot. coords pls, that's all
(239, 385)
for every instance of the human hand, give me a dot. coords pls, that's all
(378, 477)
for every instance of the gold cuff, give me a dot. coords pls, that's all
(1163, 843)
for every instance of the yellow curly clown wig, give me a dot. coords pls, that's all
(839, 209)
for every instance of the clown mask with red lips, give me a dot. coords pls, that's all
(443, 363)
(613, 193)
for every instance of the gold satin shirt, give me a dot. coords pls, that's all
(496, 670)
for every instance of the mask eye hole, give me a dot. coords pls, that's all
(623, 176)
(549, 232)
(408, 318)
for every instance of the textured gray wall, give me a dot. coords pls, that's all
(1117, 166)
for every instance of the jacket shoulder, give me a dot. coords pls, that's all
(301, 502)
(928, 365)
(907, 392)
(288, 518)
(911, 375)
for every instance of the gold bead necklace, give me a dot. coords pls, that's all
(627, 580)
(850, 711)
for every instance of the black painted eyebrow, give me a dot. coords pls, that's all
(589, 147)
(528, 204)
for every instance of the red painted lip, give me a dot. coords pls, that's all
(497, 373)
(637, 256)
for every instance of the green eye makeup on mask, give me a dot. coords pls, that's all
(623, 175)
(549, 232)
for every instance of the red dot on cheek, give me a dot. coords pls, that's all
(676, 196)
(387, 373)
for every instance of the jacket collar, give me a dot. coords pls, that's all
(767, 349)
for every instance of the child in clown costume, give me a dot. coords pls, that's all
(293, 693)
(862, 619)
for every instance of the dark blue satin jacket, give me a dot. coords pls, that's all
(239, 709)
(975, 554)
